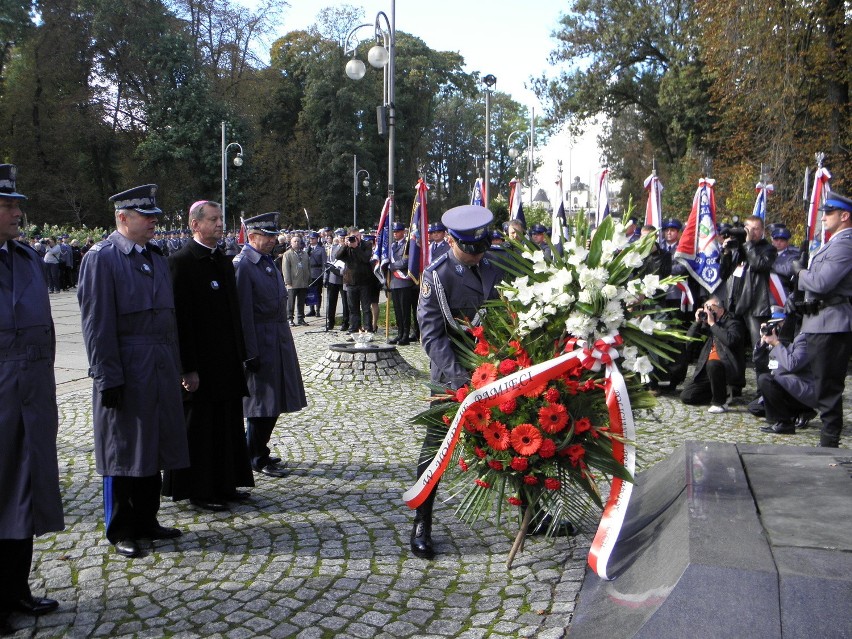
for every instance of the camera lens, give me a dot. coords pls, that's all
(702, 315)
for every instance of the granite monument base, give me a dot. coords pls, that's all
(730, 541)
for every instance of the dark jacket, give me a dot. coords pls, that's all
(728, 334)
(748, 287)
(359, 270)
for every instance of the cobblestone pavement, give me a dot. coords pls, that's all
(323, 552)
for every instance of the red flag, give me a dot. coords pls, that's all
(241, 238)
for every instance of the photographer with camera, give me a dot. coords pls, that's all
(746, 264)
(827, 314)
(788, 389)
(722, 359)
(358, 277)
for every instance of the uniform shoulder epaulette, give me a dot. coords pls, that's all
(102, 244)
(27, 247)
(441, 259)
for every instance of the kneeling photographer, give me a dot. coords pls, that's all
(788, 389)
(721, 362)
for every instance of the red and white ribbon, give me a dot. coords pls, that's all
(687, 301)
(776, 289)
(578, 352)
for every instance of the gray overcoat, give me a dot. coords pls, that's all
(128, 315)
(30, 503)
(277, 385)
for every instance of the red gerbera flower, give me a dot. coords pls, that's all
(485, 374)
(526, 439)
(520, 464)
(547, 449)
(479, 452)
(482, 484)
(514, 501)
(575, 453)
(552, 395)
(582, 425)
(509, 406)
(508, 366)
(552, 484)
(530, 480)
(552, 418)
(496, 464)
(463, 465)
(496, 435)
(478, 416)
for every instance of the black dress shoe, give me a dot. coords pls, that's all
(414, 338)
(238, 495)
(273, 470)
(805, 418)
(209, 504)
(310, 314)
(780, 428)
(127, 548)
(404, 342)
(395, 340)
(35, 605)
(421, 539)
(162, 532)
(273, 460)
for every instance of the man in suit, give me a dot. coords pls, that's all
(128, 315)
(272, 366)
(401, 287)
(827, 321)
(29, 474)
(212, 353)
(453, 287)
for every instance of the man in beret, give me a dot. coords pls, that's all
(827, 321)
(272, 366)
(453, 287)
(30, 503)
(128, 314)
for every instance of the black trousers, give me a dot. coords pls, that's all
(360, 313)
(403, 300)
(130, 506)
(296, 303)
(258, 434)
(780, 406)
(709, 386)
(332, 295)
(829, 357)
(16, 556)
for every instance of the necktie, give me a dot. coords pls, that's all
(5, 258)
(145, 253)
(475, 270)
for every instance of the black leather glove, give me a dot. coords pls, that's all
(113, 397)
(252, 365)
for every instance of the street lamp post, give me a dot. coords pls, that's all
(356, 173)
(489, 81)
(381, 56)
(238, 161)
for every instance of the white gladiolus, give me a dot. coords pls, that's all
(632, 259)
(609, 291)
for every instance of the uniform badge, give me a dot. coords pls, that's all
(268, 269)
(214, 285)
(425, 289)
(459, 269)
(485, 260)
(146, 269)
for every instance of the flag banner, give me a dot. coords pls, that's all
(558, 223)
(477, 196)
(763, 191)
(821, 187)
(418, 234)
(516, 207)
(381, 251)
(698, 249)
(776, 290)
(603, 197)
(654, 207)
(242, 237)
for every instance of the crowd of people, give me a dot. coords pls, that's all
(165, 400)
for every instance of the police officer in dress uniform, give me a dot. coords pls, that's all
(401, 287)
(438, 244)
(29, 475)
(454, 287)
(827, 321)
(317, 257)
(272, 366)
(537, 235)
(128, 315)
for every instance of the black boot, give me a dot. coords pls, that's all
(421, 531)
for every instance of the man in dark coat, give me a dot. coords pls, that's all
(212, 353)
(128, 314)
(402, 288)
(334, 284)
(453, 287)
(29, 475)
(272, 366)
(722, 359)
(317, 257)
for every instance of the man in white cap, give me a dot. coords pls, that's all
(453, 287)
